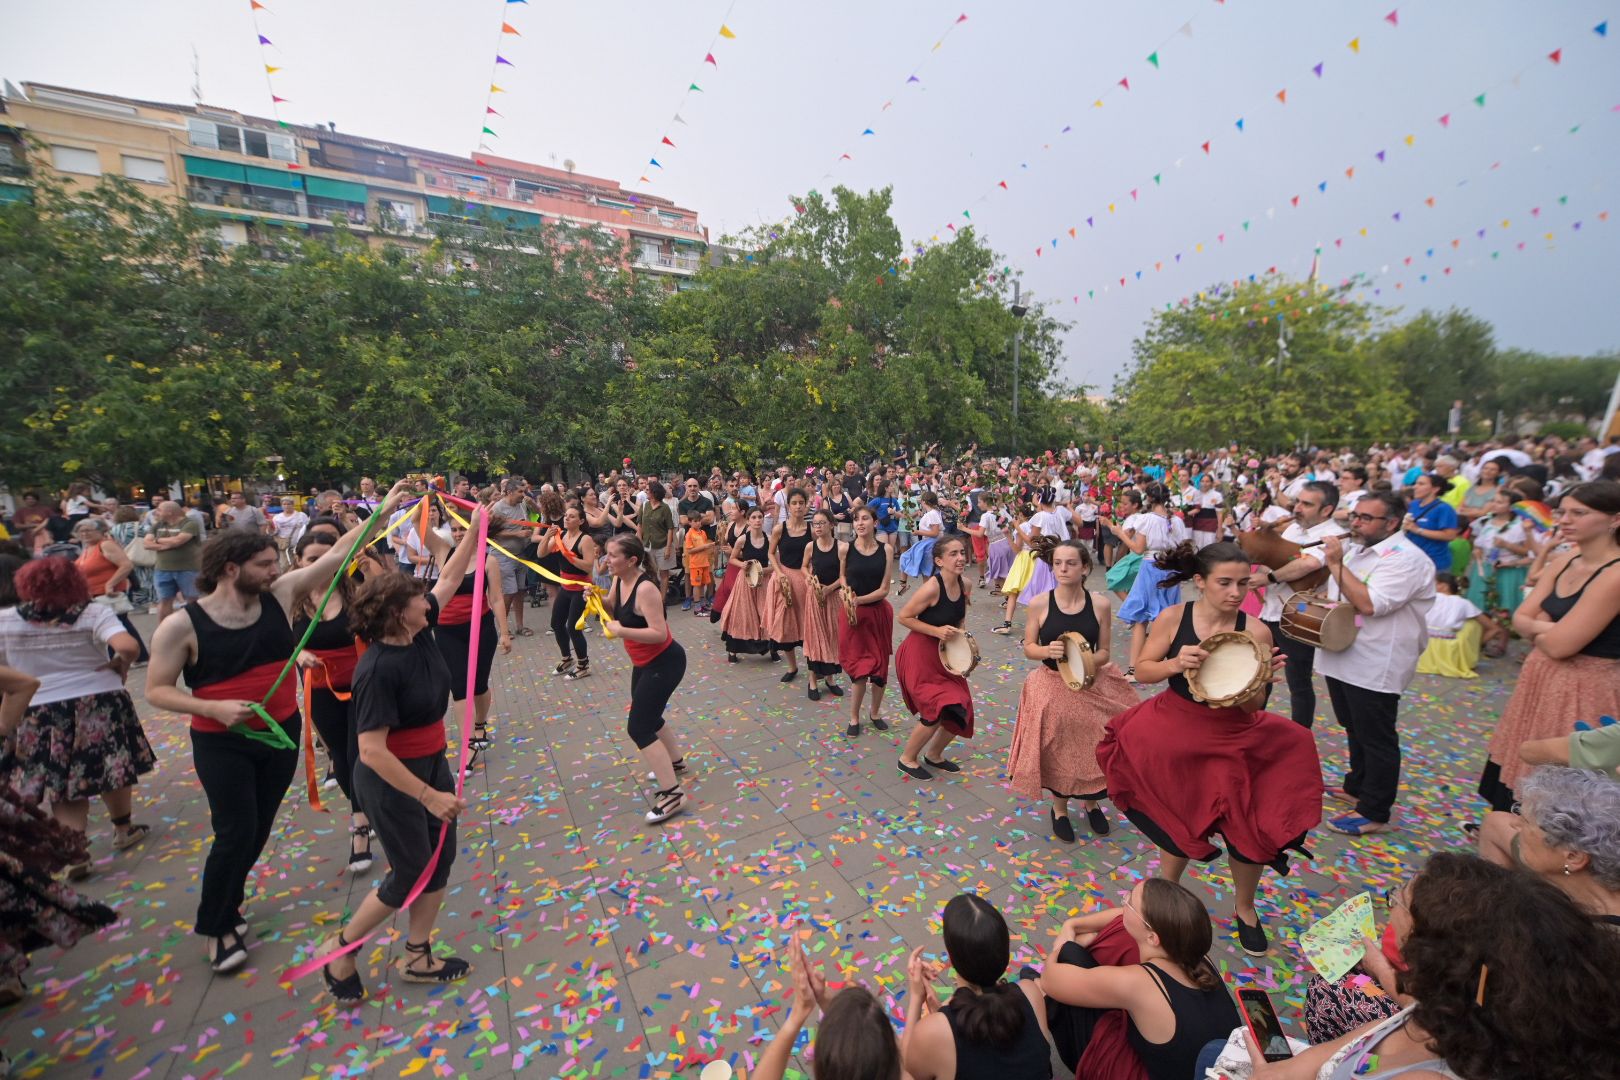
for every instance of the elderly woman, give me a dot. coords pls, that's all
(107, 570)
(1568, 831)
(80, 738)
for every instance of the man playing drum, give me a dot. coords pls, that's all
(1313, 522)
(1390, 583)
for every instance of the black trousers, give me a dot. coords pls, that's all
(331, 718)
(1300, 661)
(651, 686)
(245, 781)
(1072, 1025)
(1368, 719)
(565, 612)
(405, 828)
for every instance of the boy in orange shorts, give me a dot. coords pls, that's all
(698, 550)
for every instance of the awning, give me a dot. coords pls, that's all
(214, 170)
(16, 193)
(228, 215)
(276, 178)
(344, 190)
(514, 219)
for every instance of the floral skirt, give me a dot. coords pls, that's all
(77, 748)
(34, 909)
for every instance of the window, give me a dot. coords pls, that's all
(146, 170)
(73, 159)
(211, 136)
(402, 215)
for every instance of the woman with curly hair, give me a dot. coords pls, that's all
(1509, 978)
(1567, 831)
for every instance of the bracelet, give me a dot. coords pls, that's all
(419, 794)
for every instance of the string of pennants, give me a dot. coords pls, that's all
(666, 145)
(503, 45)
(270, 70)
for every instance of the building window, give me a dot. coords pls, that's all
(73, 159)
(397, 214)
(250, 141)
(146, 170)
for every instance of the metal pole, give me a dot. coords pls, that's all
(1018, 338)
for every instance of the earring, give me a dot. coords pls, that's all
(1566, 869)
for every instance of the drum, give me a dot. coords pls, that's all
(1313, 619)
(1078, 668)
(848, 595)
(785, 584)
(1235, 668)
(756, 571)
(960, 654)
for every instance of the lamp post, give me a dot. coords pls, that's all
(1019, 311)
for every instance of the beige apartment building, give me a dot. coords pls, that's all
(258, 177)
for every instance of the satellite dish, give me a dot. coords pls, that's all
(568, 163)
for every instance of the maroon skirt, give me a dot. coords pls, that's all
(928, 689)
(1192, 771)
(863, 649)
(728, 581)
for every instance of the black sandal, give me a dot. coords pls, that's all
(228, 957)
(666, 804)
(345, 991)
(480, 738)
(360, 861)
(451, 968)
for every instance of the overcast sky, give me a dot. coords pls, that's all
(597, 83)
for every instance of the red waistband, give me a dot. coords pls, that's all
(458, 611)
(249, 685)
(641, 654)
(339, 665)
(415, 742)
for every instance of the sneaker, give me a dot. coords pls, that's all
(686, 605)
(1062, 830)
(1252, 939)
(1098, 820)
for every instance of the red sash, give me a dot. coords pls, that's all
(250, 685)
(642, 654)
(339, 665)
(458, 612)
(415, 742)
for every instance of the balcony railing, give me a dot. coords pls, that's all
(15, 169)
(247, 201)
(648, 217)
(353, 213)
(659, 260)
(382, 170)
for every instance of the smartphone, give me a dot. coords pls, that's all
(1263, 1024)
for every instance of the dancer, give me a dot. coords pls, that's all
(743, 622)
(1054, 746)
(1149, 535)
(403, 778)
(917, 560)
(1204, 511)
(1122, 574)
(823, 559)
(573, 553)
(941, 701)
(329, 658)
(730, 533)
(453, 626)
(863, 649)
(232, 645)
(1022, 566)
(998, 549)
(787, 607)
(1045, 522)
(659, 665)
(1183, 771)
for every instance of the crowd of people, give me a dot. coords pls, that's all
(358, 618)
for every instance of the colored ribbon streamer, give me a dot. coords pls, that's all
(310, 783)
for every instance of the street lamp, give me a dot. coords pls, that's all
(1019, 311)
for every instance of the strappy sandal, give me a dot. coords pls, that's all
(451, 968)
(126, 835)
(360, 861)
(1003, 628)
(346, 991)
(581, 670)
(680, 770)
(666, 804)
(479, 739)
(227, 958)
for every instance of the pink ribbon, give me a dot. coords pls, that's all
(308, 966)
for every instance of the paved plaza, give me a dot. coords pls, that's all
(603, 947)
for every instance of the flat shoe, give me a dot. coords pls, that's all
(879, 723)
(835, 690)
(790, 676)
(942, 766)
(1252, 938)
(1062, 830)
(853, 730)
(1097, 820)
(916, 772)
(1356, 825)
(813, 694)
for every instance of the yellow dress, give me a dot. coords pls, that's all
(1453, 657)
(1018, 575)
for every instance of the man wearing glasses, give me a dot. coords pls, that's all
(1390, 582)
(1313, 521)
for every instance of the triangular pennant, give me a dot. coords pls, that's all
(913, 79)
(268, 70)
(278, 100)
(1393, 18)
(960, 19)
(868, 131)
(490, 111)
(1071, 234)
(499, 60)
(725, 31)
(1153, 58)
(1410, 139)
(256, 6)
(495, 89)
(1156, 177)
(264, 40)
(1480, 101)
(1322, 187)
(1355, 45)
(654, 162)
(508, 28)
(1445, 121)
(1240, 123)
(678, 119)
(694, 87)
(1206, 148)
(1379, 155)
(1556, 55)
(708, 58)
(1125, 82)
(487, 131)
(1601, 29)
(1318, 70)
(1282, 95)
(1186, 29)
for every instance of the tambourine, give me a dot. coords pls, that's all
(960, 654)
(784, 583)
(756, 572)
(850, 610)
(1235, 668)
(1078, 667)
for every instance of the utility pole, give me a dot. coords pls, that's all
(1018, 311)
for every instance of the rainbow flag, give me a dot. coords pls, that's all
(1537, 514)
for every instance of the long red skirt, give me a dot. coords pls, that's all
(928, 689)
(1109, 1055)
(863, 649)
(728, 581)
(1193, 771)
(821, 629)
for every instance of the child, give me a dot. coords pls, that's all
(1456, 626)
(698, 549)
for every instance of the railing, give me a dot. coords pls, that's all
(246, 201)
(662, 261)
(14, 169)
(648, 217)
(323, 210)
(365, 168)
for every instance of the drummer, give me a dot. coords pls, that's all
(1183, 771)
(1054, 746)
(939, 699)
(1390, 582)
(1313, 522)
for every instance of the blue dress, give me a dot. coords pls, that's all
(1149, 594)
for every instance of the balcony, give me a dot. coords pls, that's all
(324, 209)
(658, 260)
(648, 217)
(355, 162)
(241, 200)
(15, 170)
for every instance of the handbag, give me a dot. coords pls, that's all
(119, 602)
(140, 554)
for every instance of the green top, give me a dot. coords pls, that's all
(187, 556)
(1596, 749)
(656, 525)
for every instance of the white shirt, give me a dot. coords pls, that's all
(1048, 523)
(1449, 614)
(1348, 500)
(1384, 656)
(290, 525)
(1155, 530)
(1292, 489)
(65, 659)
(1277, 595)
(991, 524)
(933, 519)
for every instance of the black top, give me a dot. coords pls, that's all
(854, 486)
(824, 563)
(945, 611)
(333, 633)
(758, 554)
(1607, 642)
(695, 507)
(469, 582)
(1028, 1058)
(1059, 622)
(1201, 1017)
(839, 509)
(790, 549)
(625, 609)
(224, 653)
(864, 573)
(402, 686)
(1187, 635)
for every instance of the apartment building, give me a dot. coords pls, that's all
(256, 177)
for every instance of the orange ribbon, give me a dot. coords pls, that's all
(313, 786)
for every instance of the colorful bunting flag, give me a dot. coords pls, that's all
(1393, 18)
(499, 59)
(1153, 58)
(264, 40)
(708, 58)
(725, 32)
(508, 28)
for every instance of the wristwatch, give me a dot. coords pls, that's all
(1271, 576)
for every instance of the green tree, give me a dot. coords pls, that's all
(1441, 359)
(1532, 385)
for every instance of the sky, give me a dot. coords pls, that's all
(958, 107)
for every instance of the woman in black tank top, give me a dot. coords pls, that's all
(863, 649)
(742, 620)
(1054, 745)
(941, 701)
(1183, 770)
(788, 601)
(824, 607)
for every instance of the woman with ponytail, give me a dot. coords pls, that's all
(1152, 591)
(989, 1029)
(1130, 993)
(1183, 771)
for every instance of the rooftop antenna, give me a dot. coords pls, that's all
(196, 76)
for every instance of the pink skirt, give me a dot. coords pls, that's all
(1054, 746)
(821, 629)
(742, 624)
(1550, 696)
(783, 624)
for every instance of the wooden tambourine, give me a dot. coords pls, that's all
(756, 571)
(1235, 668)
(848, 596)
(1078, 668)
(784, 583)
(960, 654)
(1313, 619)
